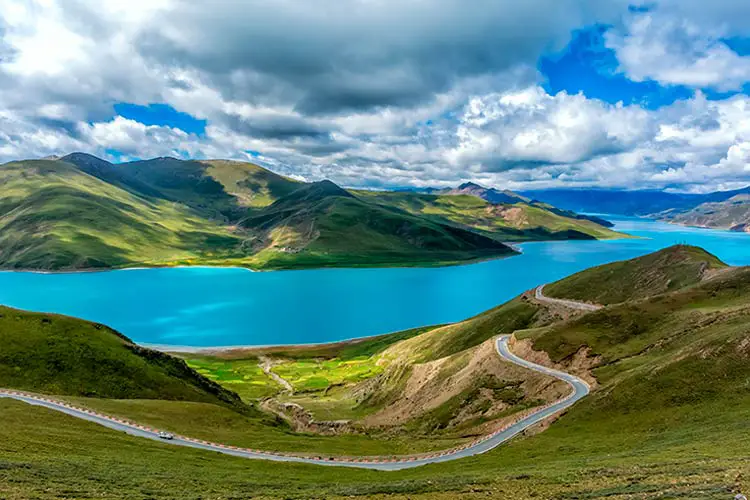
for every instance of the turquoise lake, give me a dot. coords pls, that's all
(224, 307)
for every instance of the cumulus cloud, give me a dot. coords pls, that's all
(530, 127)
(377, 93)
(677, 51)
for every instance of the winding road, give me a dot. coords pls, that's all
(573, 304)
(579, 390)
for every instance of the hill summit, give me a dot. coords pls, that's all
(668, 269)
(491, 195)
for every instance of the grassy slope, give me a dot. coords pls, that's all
(629, 329)
(322, 225)
(166, 212)
(318, 373)
(216, 186)
(324, 375)
(515, 222)
(66, 356)
(666, 270)
(186, 182)
(516, 314)
(61, 355)
(253, 186)
(220, 424)
(53, 216)
(243, 376)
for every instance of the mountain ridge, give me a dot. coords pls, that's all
(167, 211)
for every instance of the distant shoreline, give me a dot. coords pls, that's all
(113, 269)
(513, 246)
(207, 350)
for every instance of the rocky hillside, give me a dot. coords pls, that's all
(732, 214)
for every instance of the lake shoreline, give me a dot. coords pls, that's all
(516, 251)
(261, 349)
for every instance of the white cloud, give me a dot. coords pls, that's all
(677, 51)
(501, 131)
(376, 93)
(136, 139)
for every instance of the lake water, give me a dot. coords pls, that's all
(223, 307)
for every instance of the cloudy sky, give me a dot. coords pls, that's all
(532, 94)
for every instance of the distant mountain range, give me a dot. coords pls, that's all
(732, 214)
(489, 194)
(707, 210)
(82, 212)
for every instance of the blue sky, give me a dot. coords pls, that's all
(586, 65)
(159, 114)
(537, 94)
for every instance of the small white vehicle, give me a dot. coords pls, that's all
(166, 435)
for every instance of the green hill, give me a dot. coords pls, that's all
(659, 272)
(512, 219)
(253, 186)
(54, 216)
(321, 224)
(60, 355)
(180, 181)
(82, 212)
(218, 188)
(110, 173)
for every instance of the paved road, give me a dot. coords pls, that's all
(580, 389)
(573, 304)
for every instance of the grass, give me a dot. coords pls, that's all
(321, 375)
(219, 424)
(56, 354)
(668, 453)
(313, 375)
(440, 342)
(56, 217)
(630, 329)
(322, 225)
(251, 185)
(663, 271)
(337, 363)
(168, 212)
(244, 376)
(335, 403)
(513, 222)
(479, 399)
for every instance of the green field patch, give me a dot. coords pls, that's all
(310, 375)
(243, 376)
